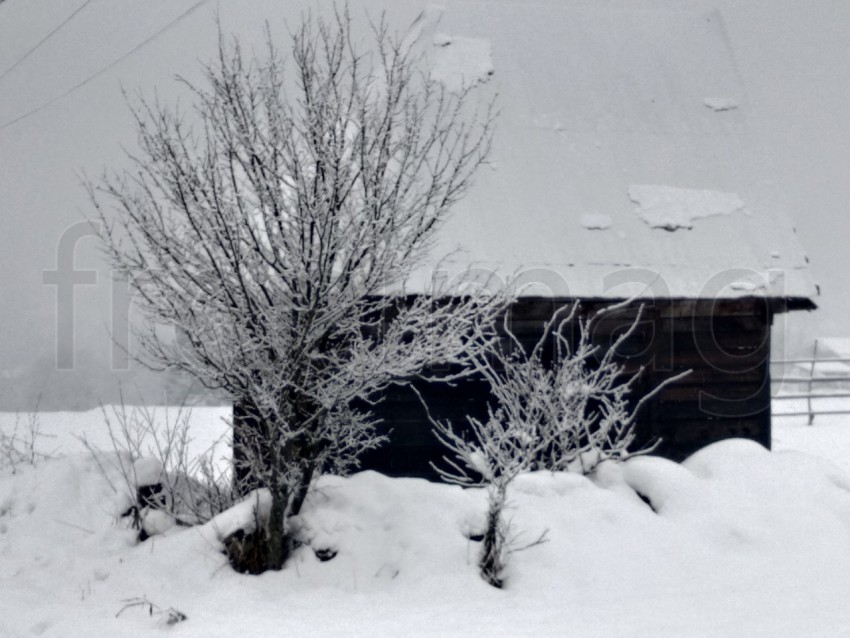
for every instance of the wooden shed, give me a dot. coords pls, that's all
(625, 167)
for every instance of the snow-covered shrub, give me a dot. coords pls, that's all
(21, 444)
(564, 410)
(161, 482)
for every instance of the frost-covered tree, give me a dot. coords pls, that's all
(274, 227)
(565, 404)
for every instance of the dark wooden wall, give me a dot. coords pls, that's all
(726, 344)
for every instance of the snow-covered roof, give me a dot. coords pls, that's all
(624, 159)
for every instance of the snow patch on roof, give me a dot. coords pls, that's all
(596, 221)
(428, 18)
(672, 208)
(746, 286)
(459, 61)
(720, 103)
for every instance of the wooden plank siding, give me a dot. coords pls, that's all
(726, 344)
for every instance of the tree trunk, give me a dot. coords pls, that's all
(491, 556)
(255, 465)
(303, 488)
(247, 431)
(279, 544)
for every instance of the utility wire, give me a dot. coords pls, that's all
(109, 66)
(44, 39)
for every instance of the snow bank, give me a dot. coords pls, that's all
(736, 541)
(672, 208)
(147, 471)
(60, 432)
(242, 516)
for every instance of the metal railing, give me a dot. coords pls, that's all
(812, 383)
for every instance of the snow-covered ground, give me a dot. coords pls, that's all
(737, 541)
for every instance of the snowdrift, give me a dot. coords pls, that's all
(736, 541)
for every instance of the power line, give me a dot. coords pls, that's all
(109, 66)
(44, 39)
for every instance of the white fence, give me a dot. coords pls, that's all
(811, 387)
